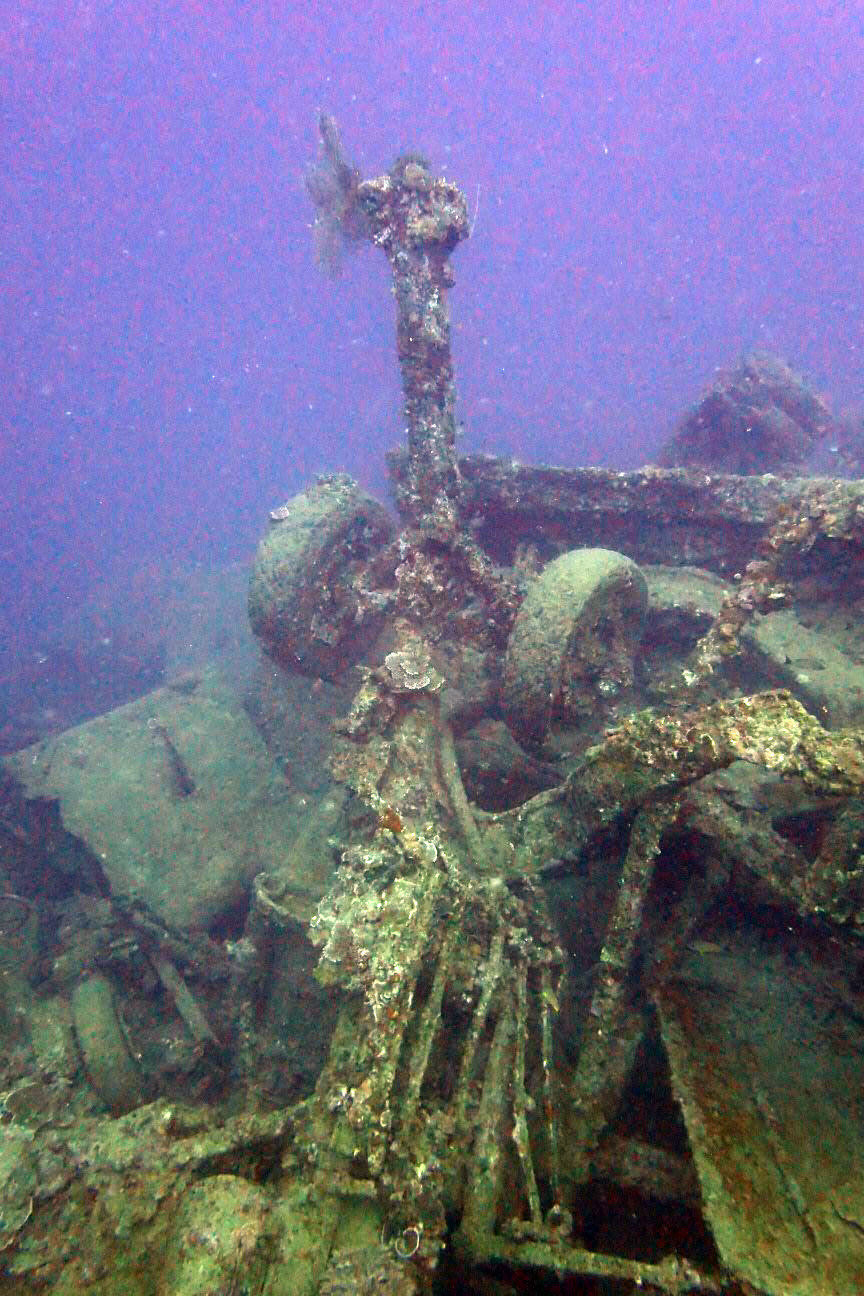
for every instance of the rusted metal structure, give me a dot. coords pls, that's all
(608, 1032)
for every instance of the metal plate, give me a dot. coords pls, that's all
(767, 1063)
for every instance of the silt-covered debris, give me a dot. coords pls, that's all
(759, 417)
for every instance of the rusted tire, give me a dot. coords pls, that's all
(303, 604)
(571, 648)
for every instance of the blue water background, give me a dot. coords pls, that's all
(655, 188)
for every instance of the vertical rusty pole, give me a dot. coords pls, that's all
(417, 220)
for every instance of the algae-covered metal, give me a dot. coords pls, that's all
(608, 1033)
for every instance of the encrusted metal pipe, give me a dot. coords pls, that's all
(417, 219)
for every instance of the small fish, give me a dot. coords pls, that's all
(705, 947)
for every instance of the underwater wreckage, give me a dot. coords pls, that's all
(583, 902)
